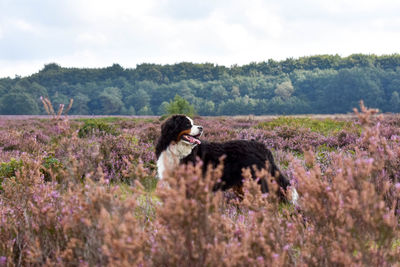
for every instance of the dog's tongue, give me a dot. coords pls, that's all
(191, 139)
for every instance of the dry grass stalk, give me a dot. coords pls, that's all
(71, 101)
(48, 107)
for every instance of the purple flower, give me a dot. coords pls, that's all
(3, 260)
(260, 259)
(54, 194)
(397, 186)
(328, 188)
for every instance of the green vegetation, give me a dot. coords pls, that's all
(51, 165)
(179, 106)
(323, 126)
(103, 119)
(51, 162)
(8, 169)
(96, 126)
(308, 85)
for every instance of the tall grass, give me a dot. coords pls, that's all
(92, 200)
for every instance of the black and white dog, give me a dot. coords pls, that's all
(179, 143)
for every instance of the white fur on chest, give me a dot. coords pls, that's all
(170, 158)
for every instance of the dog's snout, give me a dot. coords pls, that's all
(200, 128)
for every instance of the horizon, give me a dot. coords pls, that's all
(176, 63)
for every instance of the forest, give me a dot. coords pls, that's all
(321, 84)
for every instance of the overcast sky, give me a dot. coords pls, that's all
(97, 33)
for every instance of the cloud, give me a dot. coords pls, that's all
(98, 33)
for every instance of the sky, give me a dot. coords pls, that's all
(97, 33)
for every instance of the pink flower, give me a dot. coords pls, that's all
(397, 186)
(260, 259)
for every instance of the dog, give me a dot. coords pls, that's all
(179, 143)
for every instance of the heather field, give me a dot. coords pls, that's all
(83, 191)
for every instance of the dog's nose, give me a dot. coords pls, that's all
(200, 128)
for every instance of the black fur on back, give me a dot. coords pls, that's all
(239, 154)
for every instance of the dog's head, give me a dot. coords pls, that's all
(179, 130)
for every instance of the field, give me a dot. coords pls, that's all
(83, 191)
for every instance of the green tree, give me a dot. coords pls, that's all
(2, 90)
(238, 106)
(343, 91)
(110, 101)
(180, 106)
(284, 90)
(130, 111)
(204, 106)
(37, 90)
(80, 105)
(235, 92)
(138, 99)
(395, 102)
(16, 103)
(162, 109)
(218, 93)
(59, 98)
(318, 84)
(145, 111)
(276, 105)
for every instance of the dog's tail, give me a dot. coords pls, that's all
(282, 180)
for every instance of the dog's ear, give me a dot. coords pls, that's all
(169, 132)
(174, 125)
(169, 126)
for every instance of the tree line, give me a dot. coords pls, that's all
(315, 84)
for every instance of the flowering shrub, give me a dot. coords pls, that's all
(92, 200)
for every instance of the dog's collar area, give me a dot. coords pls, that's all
(180, 150)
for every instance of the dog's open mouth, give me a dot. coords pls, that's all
(191, 139)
